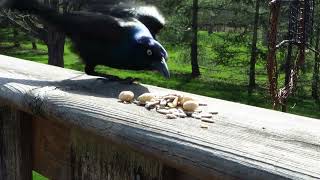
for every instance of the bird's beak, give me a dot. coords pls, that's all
(162, 67)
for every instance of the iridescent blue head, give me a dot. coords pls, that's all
(149, 52)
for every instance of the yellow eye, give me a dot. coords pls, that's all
(149, 52)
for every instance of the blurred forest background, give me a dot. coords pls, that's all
(217, 48)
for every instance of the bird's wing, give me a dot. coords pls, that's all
(90, 24)
(151, 18)
(148, 15)
(87, 24)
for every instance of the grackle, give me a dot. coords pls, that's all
(119, 37)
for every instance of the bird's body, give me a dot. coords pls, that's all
(115, 38)
(105, 50)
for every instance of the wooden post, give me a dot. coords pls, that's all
(15, 145)
(65, 152)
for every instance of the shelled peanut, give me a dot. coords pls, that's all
(172, 105)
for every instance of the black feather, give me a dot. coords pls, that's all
(148, 15)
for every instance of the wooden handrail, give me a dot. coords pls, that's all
(77, 118)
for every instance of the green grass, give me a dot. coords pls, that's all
(223, 60)
(37, 176)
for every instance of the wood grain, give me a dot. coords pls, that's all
(244, 142)
(51, 149)
(93, 157)
(62, 152)
(15, 144)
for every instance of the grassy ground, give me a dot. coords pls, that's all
(37, 176)
(223, 62)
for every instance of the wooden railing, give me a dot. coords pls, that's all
(67, 125)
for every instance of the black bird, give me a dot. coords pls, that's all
(118, 36)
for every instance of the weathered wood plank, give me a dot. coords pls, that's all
(51, 149)
(244, 142)
(95, 158)
(64, 152)
(15, 144)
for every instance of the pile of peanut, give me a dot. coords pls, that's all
(171, 105)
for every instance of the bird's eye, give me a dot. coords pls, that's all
(149, 52)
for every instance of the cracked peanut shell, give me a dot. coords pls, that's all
(190, 105)
(146, 97)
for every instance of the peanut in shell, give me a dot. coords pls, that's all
(126, 96)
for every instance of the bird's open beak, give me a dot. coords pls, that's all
(162, 67)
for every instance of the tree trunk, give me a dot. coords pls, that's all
(16, 38)
(316, 68)
(55, 40)
(253, 60)
(194, 43)
(287, 68)
(272, 61)
(55, 46)
(288, 64)
(292, 77)
(34, 44)
(210, 30)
